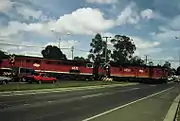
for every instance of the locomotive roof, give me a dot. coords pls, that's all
(134, 65)
(41, 58)
(79, 61)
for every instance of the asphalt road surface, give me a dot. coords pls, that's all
(84, 104)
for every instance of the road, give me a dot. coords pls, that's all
(83, 104)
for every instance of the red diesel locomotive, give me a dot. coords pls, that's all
(139, 73)
(59, 68)
(84, 70)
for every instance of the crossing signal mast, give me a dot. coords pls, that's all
(106, 65)
(12, 60)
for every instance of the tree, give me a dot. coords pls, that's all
(97, 51)
(173, 71)
(178, 71)
(167, 65)
(137, 61)
(3, 55)
(150, 63)
(79, 58)
(123, 49)
(53, 52)
(159, 65)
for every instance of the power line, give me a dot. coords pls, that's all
(12, 44)
(72, 49)
(81, 50)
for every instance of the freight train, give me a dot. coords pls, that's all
(84, 69)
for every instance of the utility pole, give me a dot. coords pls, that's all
(146, 59)
(106, 37)
(59, 42)
(72, 50)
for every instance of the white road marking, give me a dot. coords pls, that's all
(127, 90)
(134, 89)
(93, 95)
(108, 93)
(114, 109)
(50, 101)
(153, 85)
(26, 104)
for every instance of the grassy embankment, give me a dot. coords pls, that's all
(63, 84)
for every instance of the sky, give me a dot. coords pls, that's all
(152, 24)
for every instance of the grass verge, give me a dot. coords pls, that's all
(62, 84)
(178, 113)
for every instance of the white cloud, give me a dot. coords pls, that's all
(168, 35)
(129, 15)
(170, 30)
(144, 44)
(27, 13)
(15, 39)
(174, 23)
(14, 27)
(147, 14)
(5, 5)
(163, 28)
(19, 8)
(152, 33)
(83, 21)
(132, 15)
(102, 1)
(109, 34)
(148, 51)
(146, 47)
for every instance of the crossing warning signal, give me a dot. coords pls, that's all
(12, 60)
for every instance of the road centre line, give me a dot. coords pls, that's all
(93, 95)
(108, 93)
(152, 85)
(122, 106)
